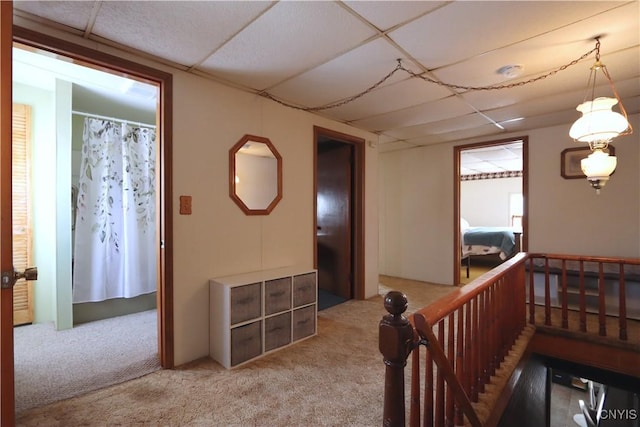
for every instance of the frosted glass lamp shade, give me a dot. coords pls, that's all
(598, 122)
(598, 166)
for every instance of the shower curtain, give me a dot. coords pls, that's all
(115, 236)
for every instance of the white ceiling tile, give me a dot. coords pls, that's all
(397, 96)
(420, 114)
(273, 51)
(470, 166)
(394, 146)
(75, 14)
(488, 130)
(344, 76)
(443, 37)
(549, 52)
(317, 52)
(386, 14)
(180, 31)
(468, 121)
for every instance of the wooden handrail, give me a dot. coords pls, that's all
(586, 258)
(447, 304)
(591, 309)
(596, 269)
(479, 323)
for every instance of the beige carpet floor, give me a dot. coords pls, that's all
(52, 365)
(333, 379)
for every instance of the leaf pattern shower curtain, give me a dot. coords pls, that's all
(115, 236)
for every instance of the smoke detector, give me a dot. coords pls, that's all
(511, 71)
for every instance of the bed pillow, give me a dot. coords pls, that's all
(463, 224)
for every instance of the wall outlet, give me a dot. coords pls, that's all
(185, 205)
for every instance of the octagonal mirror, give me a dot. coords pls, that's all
(255, 175)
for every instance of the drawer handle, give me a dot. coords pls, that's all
(303, 322)
(245, 300)
(276, 294)
(277, 328)
(246, 340)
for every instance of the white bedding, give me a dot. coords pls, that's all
(482, 250)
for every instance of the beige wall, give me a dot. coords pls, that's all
(218, 239)
(565, 216)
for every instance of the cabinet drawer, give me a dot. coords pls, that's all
(277, 295)
(246, 303)
(277, 331)
(246, 342)
(304, 289)
(304, 322)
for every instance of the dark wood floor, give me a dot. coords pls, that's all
(559, 380)
(527, 406)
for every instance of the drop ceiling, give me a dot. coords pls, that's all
(505, 157)
(310, 54)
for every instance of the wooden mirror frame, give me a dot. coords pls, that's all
(232, 175)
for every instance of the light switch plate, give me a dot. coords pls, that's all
(185, 205)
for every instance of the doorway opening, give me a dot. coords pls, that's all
(65, 110)
(164, 81)
(339, 216)
(490, 193)
(90, 128)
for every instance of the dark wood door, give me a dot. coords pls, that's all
(7, 398)
(334, 218)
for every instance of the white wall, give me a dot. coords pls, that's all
(485, 202)
(565, 216)
(43, 149)
(416, 205)
(63, 253)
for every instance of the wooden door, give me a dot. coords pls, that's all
(7, 398)
(334, 218)
(21, 211)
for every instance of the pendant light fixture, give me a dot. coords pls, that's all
(598, 125)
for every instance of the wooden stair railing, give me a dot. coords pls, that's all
(483, 327)
(477, 327)
(590, 300)
(600, 270)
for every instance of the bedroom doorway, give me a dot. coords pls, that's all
(494, 175)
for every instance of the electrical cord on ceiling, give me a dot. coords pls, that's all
(426, 78)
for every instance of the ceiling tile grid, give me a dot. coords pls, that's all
(290, 38)
(179, 31)
(312, 53)
(343, 76)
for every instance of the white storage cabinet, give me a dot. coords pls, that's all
(256, 313)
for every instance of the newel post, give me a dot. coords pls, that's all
(395, 343)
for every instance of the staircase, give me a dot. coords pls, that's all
(504, 332)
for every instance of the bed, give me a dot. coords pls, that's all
(504, 241)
